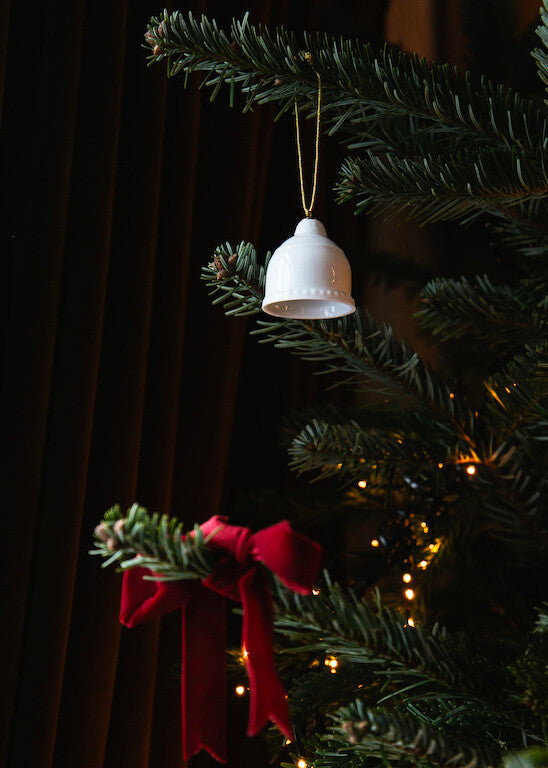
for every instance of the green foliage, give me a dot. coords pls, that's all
(352, 450)
(431, 188)
(529, 758)
(415, 661)
(140, 540)
(367, 354)
(379, 732)
(504, 316)
(541, 54)
(361, 86)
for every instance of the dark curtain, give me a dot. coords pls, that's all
(120, 381)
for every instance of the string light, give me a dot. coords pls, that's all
(332, 662)
(315, 592)
(302, 763)
(245, 654)
(409, 593)
(470, 469)
(339, 466)
(452, 395)
(423, 564)
(362, 483)
(287, 742)
(239, 690)
(407, 577)
(440, 465)
(374, 542)
(411, 621)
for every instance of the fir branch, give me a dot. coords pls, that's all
(541, 54)
(514, 397)
(350, 450)
(541, 624)
(359, 83)
(452, 309)
(386, 734)
(524, 236)
(366, 353)
(433, 188)
(140, 540)
(417, 663)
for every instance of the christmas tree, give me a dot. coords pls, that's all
(454, 470)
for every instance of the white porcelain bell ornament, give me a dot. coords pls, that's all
(308, 277)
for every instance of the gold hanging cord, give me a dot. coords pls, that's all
(308, 209)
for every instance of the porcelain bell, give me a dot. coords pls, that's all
(308, 277)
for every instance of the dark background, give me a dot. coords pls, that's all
(120, 382)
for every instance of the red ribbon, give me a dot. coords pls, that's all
(238, 575)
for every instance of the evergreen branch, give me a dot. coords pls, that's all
(358, 82)
(452, 309)
(368, 354)
(514, 397)
(541, 624)
(541, 54)
(433, 188)
(350, 449)
(524, 237)
(386, 734)
(336, 622)
(154, 542)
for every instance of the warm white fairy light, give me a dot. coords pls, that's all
(409, 593)
(239, 690)
(315, 592)
(302, 763)
(411, 621)
(470, 469)
(423, 564)
(374, 542)
(407, 577)
(332, 662)
(363, 484)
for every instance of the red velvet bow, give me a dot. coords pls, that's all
(238, 575)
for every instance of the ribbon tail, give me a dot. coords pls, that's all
(203, 688)
(268, 699)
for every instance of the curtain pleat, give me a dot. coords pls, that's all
(31, 327)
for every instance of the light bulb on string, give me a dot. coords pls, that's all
(471, 470)
(409, 593)
(302, 763)
(374, 542)
(239, 690)
(407, 577)
(362, 483)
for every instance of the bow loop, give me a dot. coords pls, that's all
(294, 558)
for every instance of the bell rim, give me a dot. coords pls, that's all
(270, 306)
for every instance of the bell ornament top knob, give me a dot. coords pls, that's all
(308, 277)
